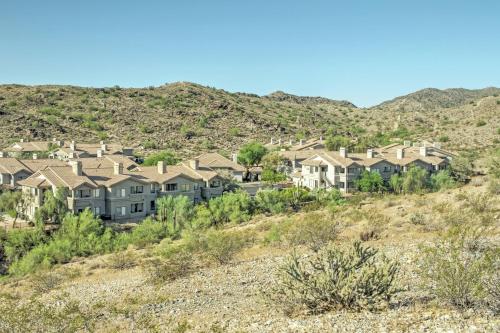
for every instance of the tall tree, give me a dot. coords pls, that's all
(251, 155)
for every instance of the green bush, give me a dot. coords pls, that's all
(480, 123)
(370, 181)
(356, 278)
(270, 201)
(145, 233)
(442, 181)
(122, 260)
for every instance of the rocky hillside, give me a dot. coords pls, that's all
(189, 117)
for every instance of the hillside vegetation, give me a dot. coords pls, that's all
(190, 118)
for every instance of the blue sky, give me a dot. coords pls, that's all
(362, 51)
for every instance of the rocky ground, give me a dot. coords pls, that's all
(232, 297)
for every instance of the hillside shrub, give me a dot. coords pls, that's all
(314, 231)
(166, 156)
(270, 201)
(163, 270)
(456, 266)
(442, 181)
(355, 278)
(122, 260)
(221, 246)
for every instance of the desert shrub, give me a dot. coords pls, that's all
(456, 266)
(234, 207)
(491, 285)
(176, 265)
(355, 278)
(221, 246)
(68, 316)
(442, 181)
(480, 123)
(478, 203)
(417, 218)
(313, 231)
(79, 235)
(122, 260)
(270, 201)
(43, 282)
(145, 233)
(368, 234)
(462, 168)
(18, 242)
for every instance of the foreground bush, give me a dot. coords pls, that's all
(356, 278)
(176, 265)
(460, 268)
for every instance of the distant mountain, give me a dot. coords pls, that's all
(281, 96)
(431, 98)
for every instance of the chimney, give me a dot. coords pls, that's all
(301, 142)
(101, 142)
(99, 152)
(194, 164)
(71, 155)
(423, 151)
(272, 140)
(321, 139)
(343, 152)
(407, 143)
(162, 167)
(72, 145)
(77, 167)
(235, 157)
(59, 143)
(291, 142)
(35, 156)
(369, 153)
(118, 168)
(400, 154)
(104, 146)
(22, 140)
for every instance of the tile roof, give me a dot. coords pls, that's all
(217, 161)
(11, 165)
(30, 146)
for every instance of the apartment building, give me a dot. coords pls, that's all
(341, 169)
(119, 193)
(222, 165)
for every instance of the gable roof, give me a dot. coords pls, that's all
(217, 161)
(59, 176)
(12, 166)
(30, 146)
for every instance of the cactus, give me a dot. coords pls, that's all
(334, 279)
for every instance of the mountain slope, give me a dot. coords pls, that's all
(189, 117)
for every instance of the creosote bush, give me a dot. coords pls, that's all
(313, 231)
(176, 265)
(356, 278)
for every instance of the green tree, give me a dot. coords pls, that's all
(166, 156)
(415, 180)
(14, 203)
(251, 154)
(442, 181)
(334, 142)
(174, 212)
(370, 181)
(462, 168)
(396, 183)
(55, 206)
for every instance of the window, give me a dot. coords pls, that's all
(387, 168)
(85, 193)
(121, 211)
(136, 208)
(123, 193)
(310, 170)
(216, 183)
(97, 193)
(341, 185)
(324, 168)
(195, 186)
(171, 187)
(153, 205)
(342, 170)
(136, 189)
(315, 169)
(153, 188)
(185, 187)
(97, 210)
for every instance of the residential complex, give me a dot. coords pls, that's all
(340, 169)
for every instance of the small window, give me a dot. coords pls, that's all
(97, 210)
(97, 193)
(185, 187)
(136, 208)
(171, 187)
(153, 205)
(124, 193)
(124, 211)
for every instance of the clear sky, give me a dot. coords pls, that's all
(363, 51)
